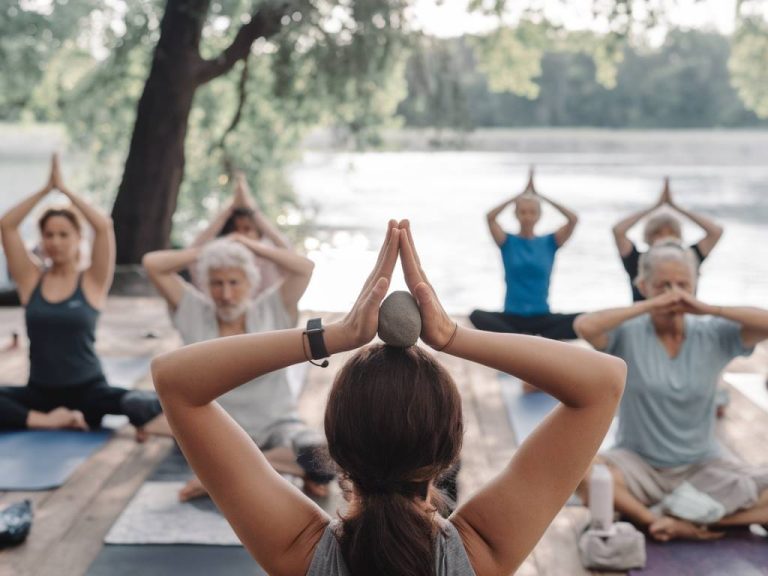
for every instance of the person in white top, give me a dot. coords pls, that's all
(265, 406)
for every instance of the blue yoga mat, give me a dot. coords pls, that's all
(526, 411)
(739, 553)
(44, 459)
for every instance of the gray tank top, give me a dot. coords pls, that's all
(450, 555)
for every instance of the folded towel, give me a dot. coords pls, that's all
(619, 547)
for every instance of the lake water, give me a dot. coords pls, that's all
(601, 175)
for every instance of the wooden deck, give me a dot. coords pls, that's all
(70, 522)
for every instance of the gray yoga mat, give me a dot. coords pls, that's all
(179, 559)
(44, 459)
(527, 411)
(155, 516)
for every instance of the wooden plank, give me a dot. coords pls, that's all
(59, 511)
(79, 546)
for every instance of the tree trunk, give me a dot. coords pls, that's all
(146, 199)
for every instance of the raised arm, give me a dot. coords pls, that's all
(753, 321)
(499, 236)
(266, 228)
(163, 267)
(212, 230)
(99, 275)
(566, 230)
(296, 268)
(279, 525)
(712, 231)
(24, 270)
(620, 229)
(502, 522)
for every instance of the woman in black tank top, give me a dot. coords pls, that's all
(66, 387)
(394, 424)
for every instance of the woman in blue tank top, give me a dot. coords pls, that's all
(528, 260)
(66, 387)
(394, 425)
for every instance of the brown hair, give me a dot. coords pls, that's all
(64, 213)
(231, 222)
(393, 423)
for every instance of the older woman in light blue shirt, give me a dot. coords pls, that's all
(675, 346)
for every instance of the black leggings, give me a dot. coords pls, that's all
(552, 326)
(94, 399)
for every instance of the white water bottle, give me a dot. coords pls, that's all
(601, 497)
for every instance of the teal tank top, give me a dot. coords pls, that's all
(61, 340)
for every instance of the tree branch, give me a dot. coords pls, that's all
(265, 23)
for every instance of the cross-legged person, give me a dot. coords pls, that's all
(265, 406)
(62, 304)
(670, 476)
(528, 259)
(394, 423)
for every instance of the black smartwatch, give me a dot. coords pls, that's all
(314, 333)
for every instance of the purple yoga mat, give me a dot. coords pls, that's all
(737, 554)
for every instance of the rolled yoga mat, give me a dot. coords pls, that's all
(44, 459)
(739, 553)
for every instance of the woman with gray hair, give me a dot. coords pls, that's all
(668, 472)
(659, 227)
(225, 306)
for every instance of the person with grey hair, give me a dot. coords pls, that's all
(265, 407)
(669, 474)
(661, 226)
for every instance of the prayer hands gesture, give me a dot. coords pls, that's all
(243, 192)
(666, 195)
(359, 326)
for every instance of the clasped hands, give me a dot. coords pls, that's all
(360, 324)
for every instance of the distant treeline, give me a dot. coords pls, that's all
(684, 83)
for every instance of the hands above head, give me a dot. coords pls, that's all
(530, 187)
(243, 196)
(666, 195)
(55, 181)
(437, 328)
(360, 324)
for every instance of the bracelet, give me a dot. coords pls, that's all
(314, 334)
(450, 340)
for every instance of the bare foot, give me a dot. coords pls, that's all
(667, 528)
(141, 435)
(57, 419)
(317, 490)
(193, 489)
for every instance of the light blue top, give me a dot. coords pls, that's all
(667, 414)
(527, 268)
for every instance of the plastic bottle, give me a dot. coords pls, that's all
(601, 497)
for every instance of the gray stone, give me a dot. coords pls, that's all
(399, 319)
